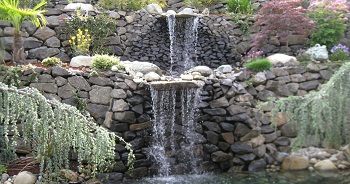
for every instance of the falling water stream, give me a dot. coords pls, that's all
(173, 147)
(183, 35)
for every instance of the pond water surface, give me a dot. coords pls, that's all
(300, 177)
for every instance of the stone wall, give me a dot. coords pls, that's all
(234, 133)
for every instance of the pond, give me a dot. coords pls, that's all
(298, 177)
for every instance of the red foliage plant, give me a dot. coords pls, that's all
(281, 18)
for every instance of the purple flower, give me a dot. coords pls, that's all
(340, 47)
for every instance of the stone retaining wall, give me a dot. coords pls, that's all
(144, 37)
(234, 134)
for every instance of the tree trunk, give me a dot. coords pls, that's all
(18, 55)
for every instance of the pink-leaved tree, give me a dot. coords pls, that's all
(281, 18)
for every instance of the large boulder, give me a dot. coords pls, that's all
(203, 70)
(25, 177)
(79, 61)
(295, 163)
(142, 67)
(154, 9)
(79, 6)
(283, 59)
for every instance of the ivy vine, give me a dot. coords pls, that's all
(323, 114)
(54, 129)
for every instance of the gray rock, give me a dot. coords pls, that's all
(46, 87)
(4, 177)
(100, 95)
(25, 177)
(125, 117)
(131, 84)
(257, 165)
(101, 81)
(212, 137)
(53, 42)
(220, 156)
(137, 173)
(309, 85)
(44, 33)
(31, 43)
(241, 148)
(203, 70)
(58, 71)
(241, 130)
(311, 76)
(259, 78)
(246, 157)
(288, 131)
(212, 126)
(120, 105)
(279, 72)
(286, 60)
(46, 78)
(297, 78)
(221, 102)
(152, 76)
(79, 83)
(118, 93)
(154, 9)
(326, 74)
(43, 52)
(66, 91)
(282, 141)
(97, 111)
(187, 11)
(250, 135)
(235, 109)
(53, 21)
(135, 100)
(215, 112)
(260, 151)
(79, 61)
(312, 68)
(142, 67)
(224, 69)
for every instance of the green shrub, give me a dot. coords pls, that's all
(244, 21)
(329, 25)
(259, 65)
(239, 6)
(51, 61)
(99, 28)
(105, 62)
(338, 55)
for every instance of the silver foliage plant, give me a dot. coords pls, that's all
(323, 114)
(53, 129)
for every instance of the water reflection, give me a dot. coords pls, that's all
(298, 177)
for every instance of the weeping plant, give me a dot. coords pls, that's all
(53, 129)
(324, 114)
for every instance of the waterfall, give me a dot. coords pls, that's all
(171, 27)
(183, 35)
(174, 137)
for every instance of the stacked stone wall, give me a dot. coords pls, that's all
(233, 133)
